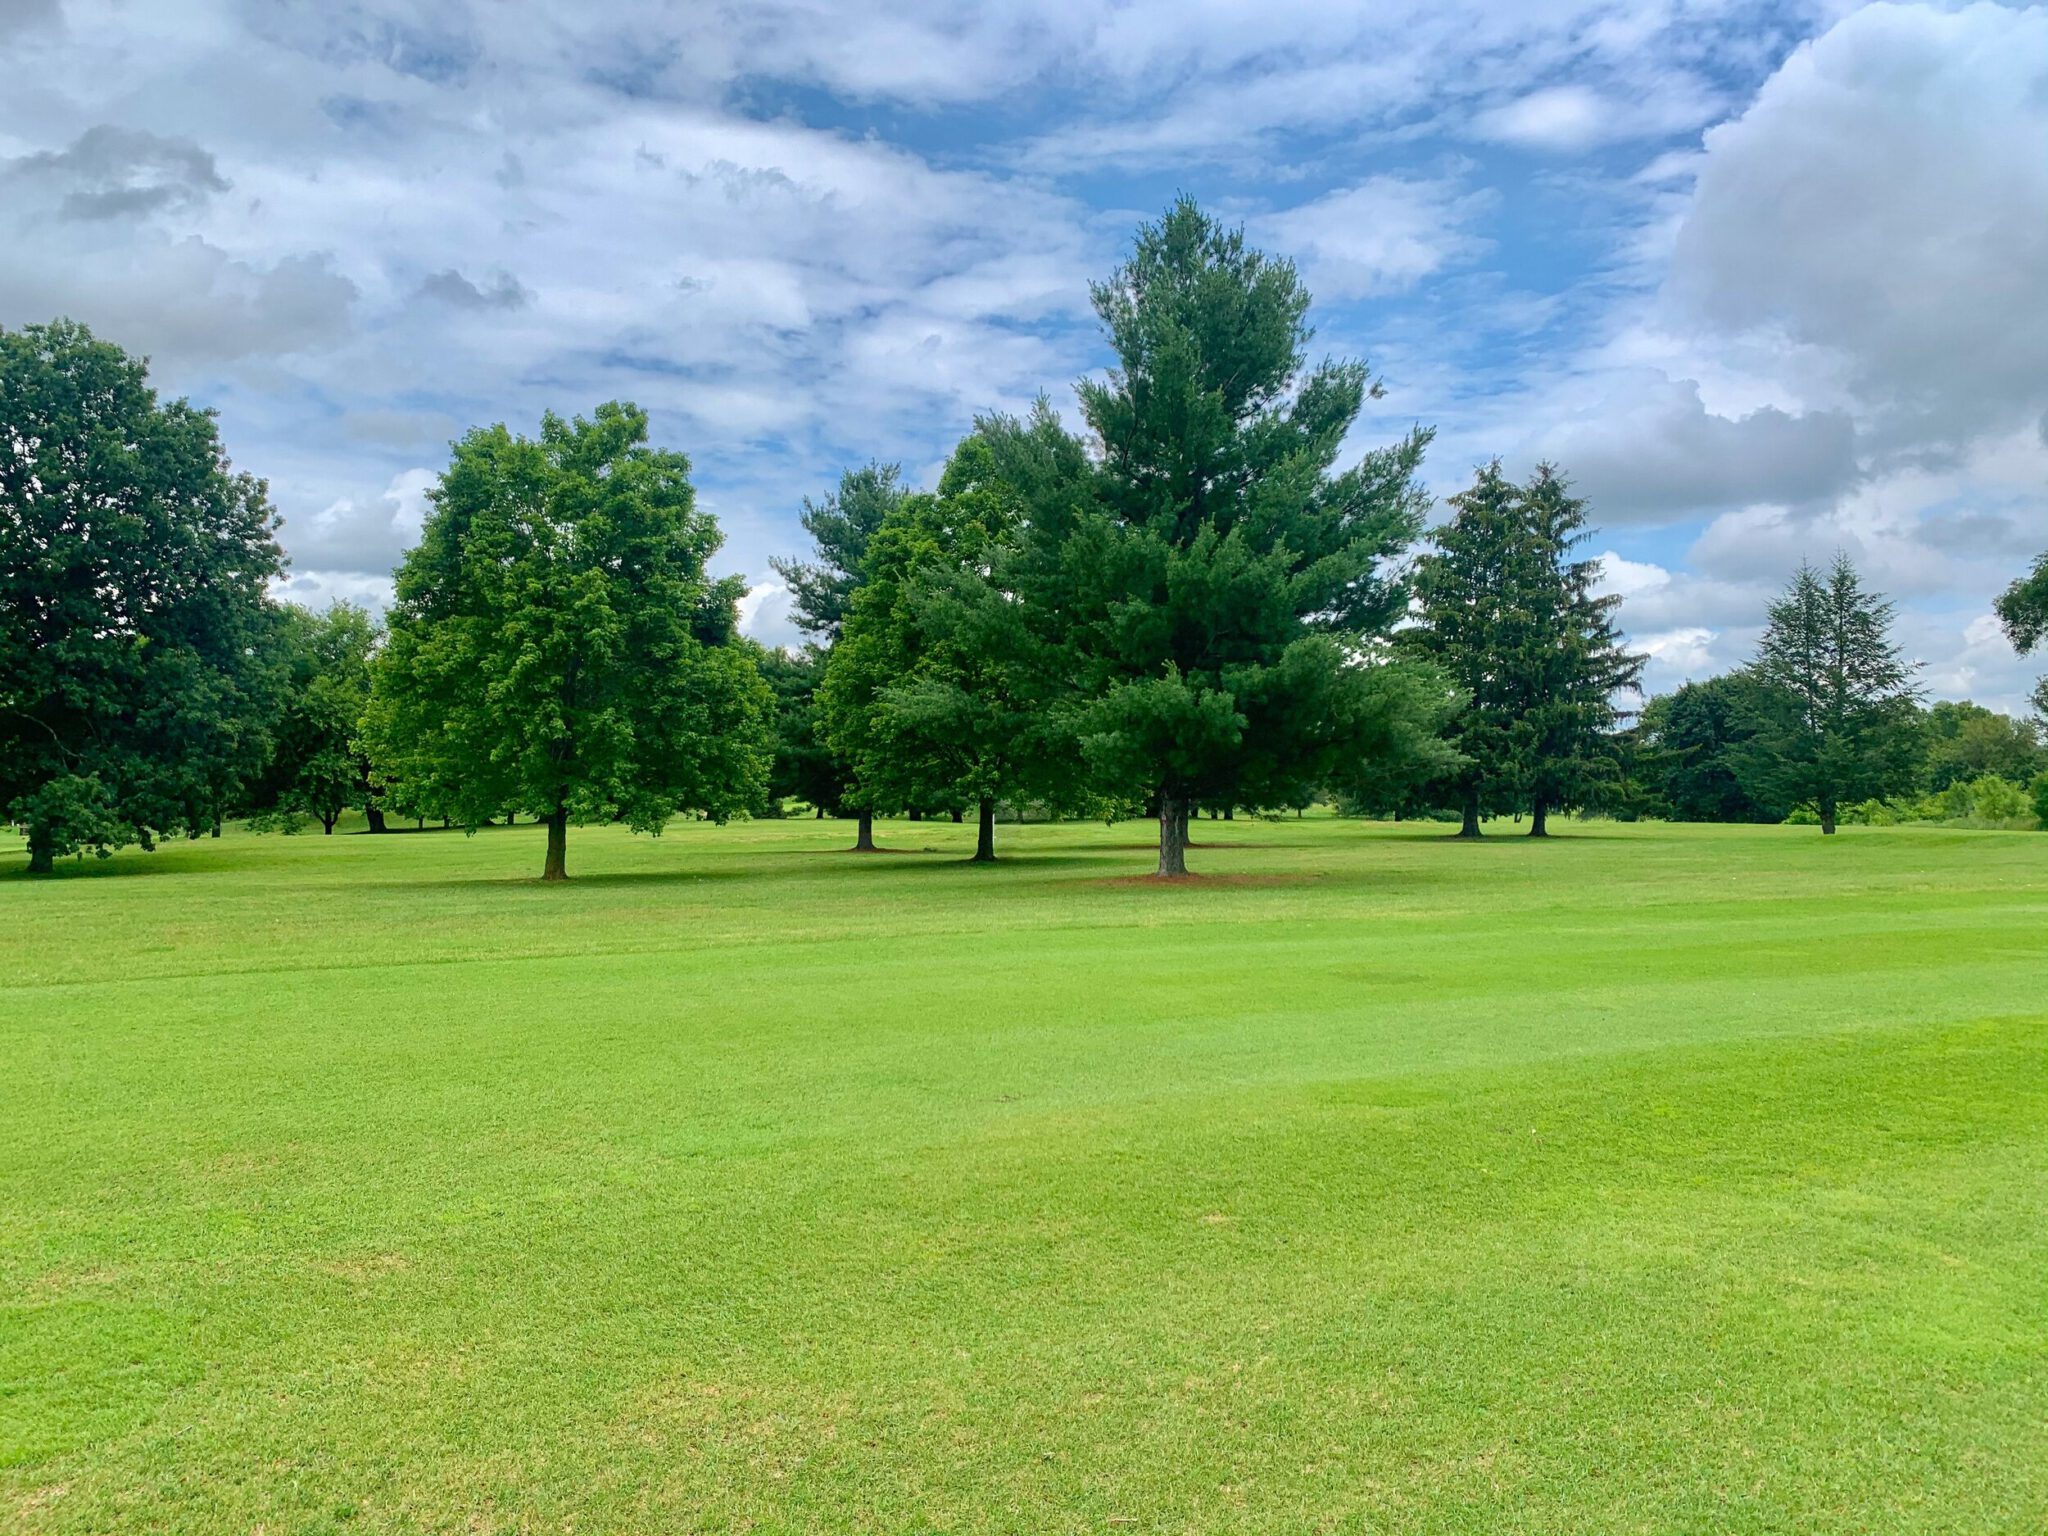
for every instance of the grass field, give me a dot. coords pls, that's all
(1652, 1179)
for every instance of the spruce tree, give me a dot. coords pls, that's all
(1835, 719)
(1476, 593)
(1576, 665)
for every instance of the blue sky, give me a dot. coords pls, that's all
(1767, 279)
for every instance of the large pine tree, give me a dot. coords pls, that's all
(1225, 585)
(1835, 720)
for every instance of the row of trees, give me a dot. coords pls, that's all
(1190, 603)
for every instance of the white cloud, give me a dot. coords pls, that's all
(1559, 117)
(1885, 201)
(1380, 236)
(1628, 578)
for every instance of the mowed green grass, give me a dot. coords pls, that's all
(1653, 1179)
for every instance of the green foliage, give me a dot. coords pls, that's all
(1510, 615)
(803, 767)
(1221, 581)
(2039, 793)
(136, 676)
(1834, 718)
(2023, 609)
(556, 646)
(946, 691)
(1966, 741)
(821, 590)
(319, 768)
(1693, 733)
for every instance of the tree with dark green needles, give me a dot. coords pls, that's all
(822, 589)
(1478, 592)
(1510, 613)
(1227, 588)
(138, 676)
(556, 647)
(1575, 665)
(1835, 719)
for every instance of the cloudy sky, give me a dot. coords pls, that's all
(1767, 279)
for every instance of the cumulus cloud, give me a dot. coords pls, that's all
(1884, 201)
(1649, 451)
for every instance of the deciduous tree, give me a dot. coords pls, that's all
(557, 647)
(137, 678)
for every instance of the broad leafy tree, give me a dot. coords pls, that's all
(1226, 586)
(319, 767)
(943, 690)
(1967, 741)
(556, 647)
(1692, 735)
(137, 674)
(2023, 609)
(1835, 720)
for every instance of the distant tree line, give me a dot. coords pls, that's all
(1190, 604)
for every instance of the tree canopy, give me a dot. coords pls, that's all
(557, 647)
(137, 672)
(1834, 720)
(1226, 588)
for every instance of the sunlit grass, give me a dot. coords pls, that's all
(1651, 1179)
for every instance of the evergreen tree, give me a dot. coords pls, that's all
(1512, 617)
(822, 590)
(1225, 587)
(1573, 659)
(1834, 720)
(556, 646)
(138, 677)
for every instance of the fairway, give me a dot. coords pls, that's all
(1654, 1178)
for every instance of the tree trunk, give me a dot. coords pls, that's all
(375, 815)
(1471, 826)
(958, 817)
(864, 842)
(557, 866)
(1539, 819)
(1230, 813)
(511, 818)
(1173, 837)
(820, 813)
(327, 825)
(985, 840)
(917, 815)
(216, 828)
(1827, 817)
(42, 851)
